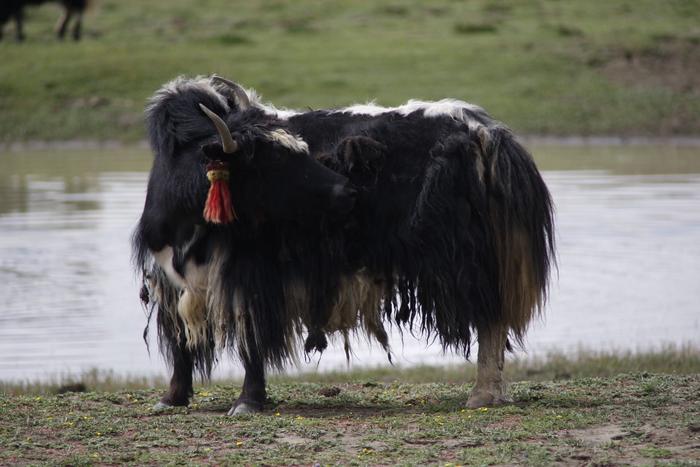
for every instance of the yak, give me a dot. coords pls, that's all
(429, 215)
(72, 9)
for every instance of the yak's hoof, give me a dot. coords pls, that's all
(483, 398)
(161, 406)
(244, 408)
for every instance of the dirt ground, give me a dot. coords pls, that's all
(628, 419)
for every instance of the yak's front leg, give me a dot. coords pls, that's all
(253, 394)
(490, 389)
(180, 389)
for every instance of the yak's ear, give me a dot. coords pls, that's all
(214, 151)
(362, 157)
(246, 148)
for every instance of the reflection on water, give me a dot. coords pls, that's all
(629, 256)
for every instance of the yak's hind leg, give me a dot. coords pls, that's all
(490, 388)
(253, 394)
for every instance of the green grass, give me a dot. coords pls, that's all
(550, 67)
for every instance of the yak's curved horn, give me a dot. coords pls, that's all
(238, 91)
(228, 144)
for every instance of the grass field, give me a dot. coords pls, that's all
(545, 67)
(597, 409)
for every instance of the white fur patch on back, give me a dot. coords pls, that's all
(370, 108)
(456, 109)
(288, 140)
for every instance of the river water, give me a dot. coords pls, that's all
(628, 223)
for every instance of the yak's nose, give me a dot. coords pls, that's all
(343, 198)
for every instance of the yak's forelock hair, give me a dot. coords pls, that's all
(173, 115)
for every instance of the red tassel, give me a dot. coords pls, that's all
(218, 209)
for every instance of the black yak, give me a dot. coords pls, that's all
(72, 9)
(449, 229)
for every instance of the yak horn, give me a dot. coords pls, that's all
(228, 144)
(238, 91)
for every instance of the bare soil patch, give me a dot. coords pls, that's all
(672, 63)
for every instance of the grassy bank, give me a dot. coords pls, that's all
(549, 67)
(673, 360)
(632, 418)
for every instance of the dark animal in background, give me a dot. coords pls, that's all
(73, 10)
(450, 230)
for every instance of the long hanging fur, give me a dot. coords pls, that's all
(522, 220)
(163, 300)
(464, 242)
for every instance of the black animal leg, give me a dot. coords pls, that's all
(490, 389)
(253, 394)
(78, 27)
(19, 19)
(62, 24)
(180, 389)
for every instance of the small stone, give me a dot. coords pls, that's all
(75, 387)
(330, 392)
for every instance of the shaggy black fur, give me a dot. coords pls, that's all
(452, 221)
(287, 206)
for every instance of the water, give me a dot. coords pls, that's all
(629, 260)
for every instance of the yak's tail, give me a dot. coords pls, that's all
(522, 221)
(173, 115)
